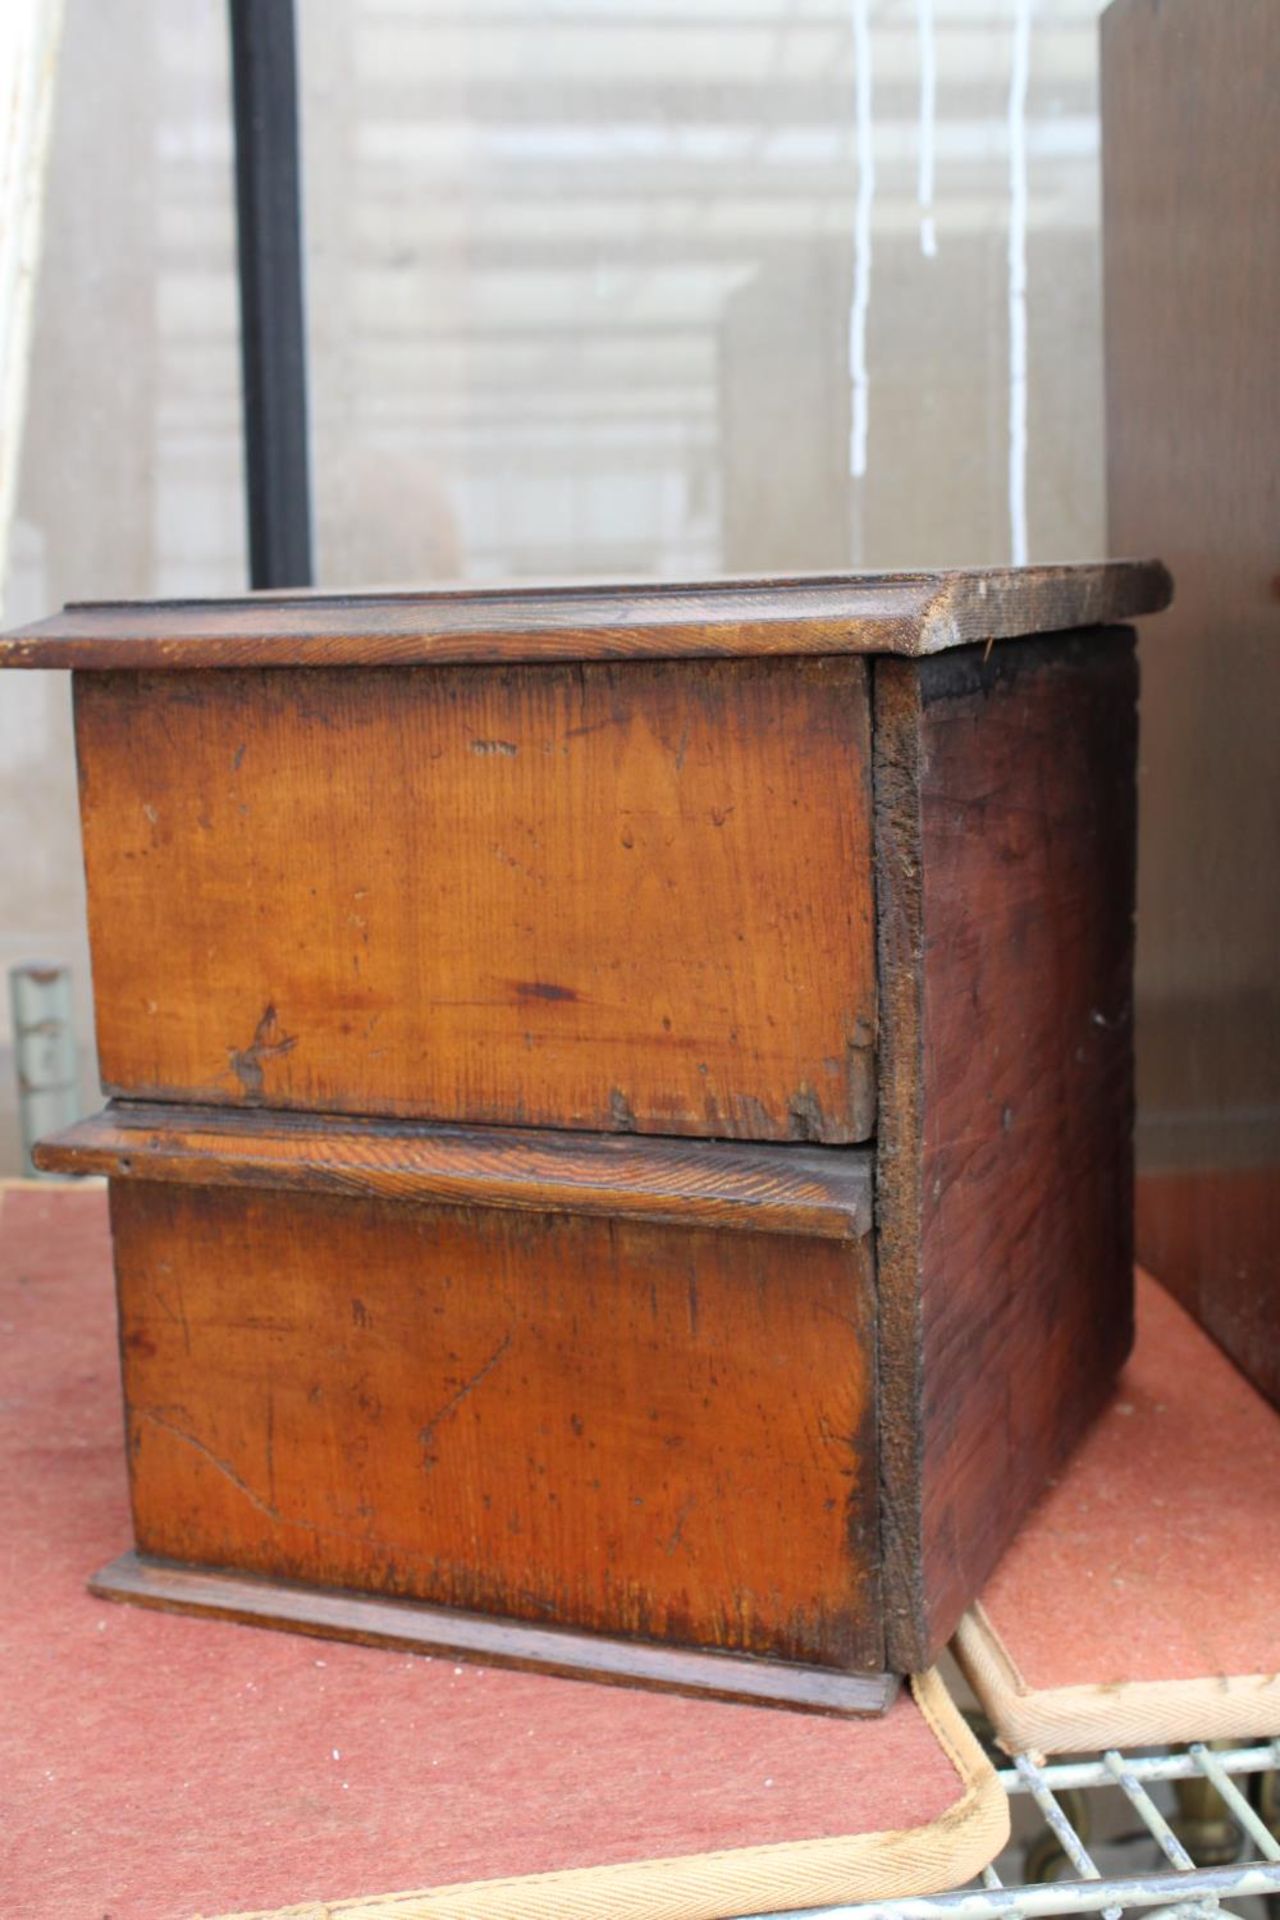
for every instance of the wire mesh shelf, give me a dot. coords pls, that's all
(1179, 1889)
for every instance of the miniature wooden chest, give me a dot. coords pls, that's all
(619, 1134)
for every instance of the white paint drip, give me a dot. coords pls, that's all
(928, 121)
(865, 143)
(1018, 80)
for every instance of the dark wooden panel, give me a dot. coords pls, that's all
(1212, 1236)
(630, 898)
(606, 1425)
(1005, 794)
(910, 613)
(256, 1602)
(1191, 176)
(814, 1191)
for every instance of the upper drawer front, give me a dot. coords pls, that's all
(627, 897)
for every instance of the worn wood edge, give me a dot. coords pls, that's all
(821, 1192)
(1021, 602)
(415, 1626)
(896, 708)
(1109, 1713)
(909, 614)
(780, 1875)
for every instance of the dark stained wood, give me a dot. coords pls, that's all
(786, 1190)
(899, 1159)
(253, 1601)
(631, 898)
(1006, 852)
(1211, 1234)
(1191, 180)
(917, 613)
(644, 1431)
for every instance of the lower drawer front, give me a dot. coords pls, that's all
(626, 1427)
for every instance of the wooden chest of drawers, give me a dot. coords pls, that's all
(619, 1134)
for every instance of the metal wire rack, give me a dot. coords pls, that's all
(1180, 1891)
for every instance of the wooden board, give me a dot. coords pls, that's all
(411, 1627)
(1005, 822)
(627, 898)
(802, 1190)
(907, 613)
(1191, 182)
(1212, 1235)
(625, 1428)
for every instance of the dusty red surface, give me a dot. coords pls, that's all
(1157, 1555)
(152, 1767)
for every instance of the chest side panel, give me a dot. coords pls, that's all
(1028, 801)
(1006, 803)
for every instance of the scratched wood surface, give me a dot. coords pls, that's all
(627, 898)
(1006, 836)
(756, 1189)
(634, 1429)
(913, 613)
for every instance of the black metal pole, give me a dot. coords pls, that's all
(273, 344)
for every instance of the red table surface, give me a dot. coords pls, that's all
(1156, 1556)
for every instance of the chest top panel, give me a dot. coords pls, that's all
(902, 613)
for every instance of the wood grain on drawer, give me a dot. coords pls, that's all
(636, 1429)
(633, 898)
